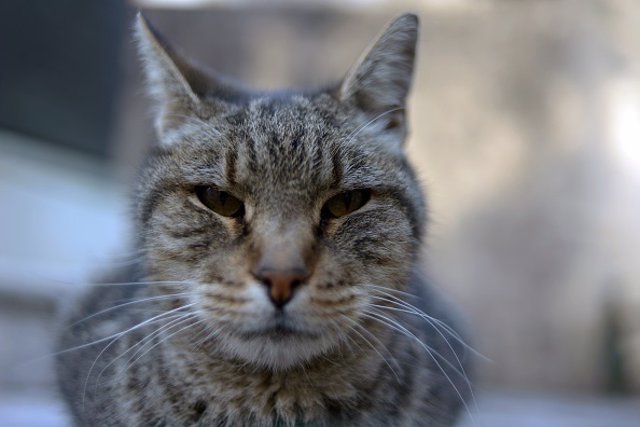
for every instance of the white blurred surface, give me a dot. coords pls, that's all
(61, 214)
(32, 410)
(62, 218)
(518, 409)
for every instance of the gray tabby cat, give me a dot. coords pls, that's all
(278, 283)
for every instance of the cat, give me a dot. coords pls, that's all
(279, 279)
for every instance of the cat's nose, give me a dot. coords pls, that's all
(281, 284)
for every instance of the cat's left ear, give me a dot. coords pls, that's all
(380, 81)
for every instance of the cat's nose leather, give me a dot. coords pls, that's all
(281, 284)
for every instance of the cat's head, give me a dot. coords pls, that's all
(281, 212)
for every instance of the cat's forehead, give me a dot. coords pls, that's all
(287, 142)
(290, 144)
(293, 116)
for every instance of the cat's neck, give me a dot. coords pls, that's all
(244, 385)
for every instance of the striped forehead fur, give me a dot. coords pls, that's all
(302, 145)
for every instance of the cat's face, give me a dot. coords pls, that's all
(279, 213)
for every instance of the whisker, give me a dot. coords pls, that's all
(154, 298)
(120, 334)
(430, 351)
(353, 322)
(387, 289)
(455, 354)
(410, 334)
(166, 338)
(435, 323)
(414, 310)
(176, 320)
(360, 128)
(385, 292)
(107, 338)
(144, 283)
(170, 325)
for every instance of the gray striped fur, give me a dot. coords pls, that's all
(195, 343)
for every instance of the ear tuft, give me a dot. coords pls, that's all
(380, 80)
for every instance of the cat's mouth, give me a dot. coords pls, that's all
(281, 327)
(277, 343)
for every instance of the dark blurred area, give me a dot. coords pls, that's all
(525, 120)
(60, 71)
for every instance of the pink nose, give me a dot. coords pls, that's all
(281, 284)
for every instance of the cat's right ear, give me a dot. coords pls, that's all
(175, 86)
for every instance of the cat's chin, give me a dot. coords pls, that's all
(279, 333)
(278, 348)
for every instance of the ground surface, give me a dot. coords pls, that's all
(516, 409)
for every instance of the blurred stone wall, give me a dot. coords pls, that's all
(526, 120)
(527, 135)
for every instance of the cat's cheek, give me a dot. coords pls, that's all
(330, 229)
(333, 227)
(383, 258)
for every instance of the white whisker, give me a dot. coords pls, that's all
(411, 309)
(145, 283)
(360, 128)
(120, 334)
(384, 359)
(176, 320)
(430, 351)
(155, 298)
(166, 338)
(463, 372)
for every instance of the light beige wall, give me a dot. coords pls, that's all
(524, 130)
(536, 229)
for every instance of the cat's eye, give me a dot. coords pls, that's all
(219, 201)
(344, 203)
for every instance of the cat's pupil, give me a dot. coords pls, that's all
(347, 200)
(219, 201)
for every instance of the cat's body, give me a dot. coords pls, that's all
(280, 237)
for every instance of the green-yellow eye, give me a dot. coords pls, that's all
(220, 202)
(344, 203)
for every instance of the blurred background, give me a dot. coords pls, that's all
(525, 119)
